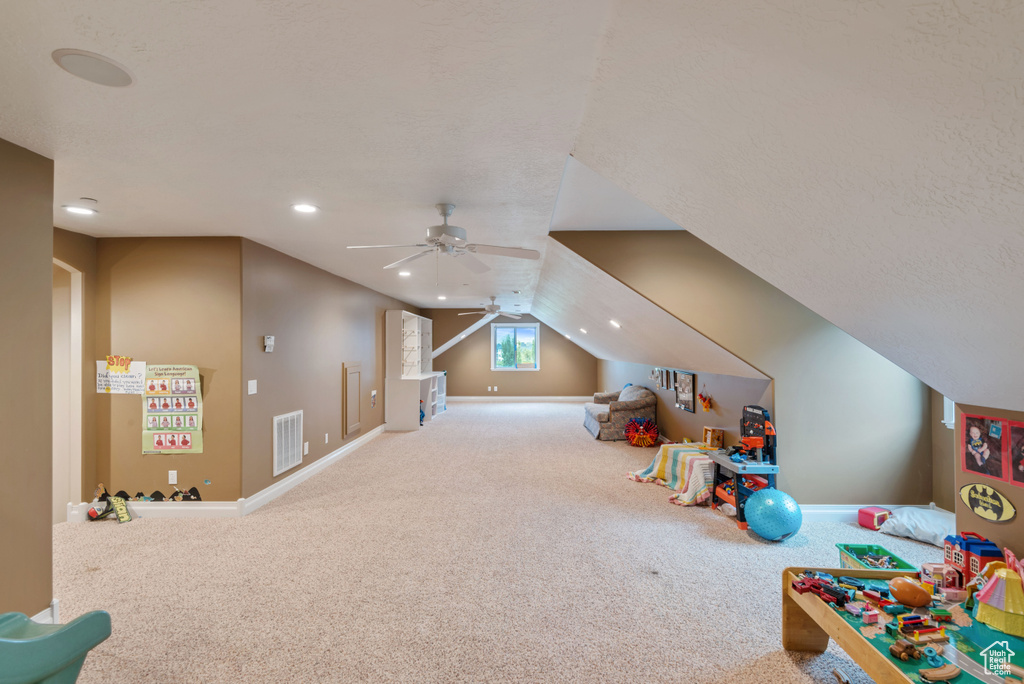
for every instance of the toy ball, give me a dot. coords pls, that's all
(772, 514)
(909, 592)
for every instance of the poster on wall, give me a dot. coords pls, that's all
(120, 375)
(1016, 459)
(172, 410)
(984, 450)
(684, 390)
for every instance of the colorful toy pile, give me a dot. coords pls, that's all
(912, 617)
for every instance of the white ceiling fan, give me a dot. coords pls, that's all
(491, 309)
(451, 240)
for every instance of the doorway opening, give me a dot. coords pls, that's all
(67, 388)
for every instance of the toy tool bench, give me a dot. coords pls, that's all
(747, 467)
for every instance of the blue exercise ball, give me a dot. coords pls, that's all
(772, 514)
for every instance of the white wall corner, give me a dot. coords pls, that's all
(49, 616)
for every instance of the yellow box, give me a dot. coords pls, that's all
(714, 437)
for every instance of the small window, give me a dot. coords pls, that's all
(515, 346)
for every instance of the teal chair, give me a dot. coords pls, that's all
(31, 653)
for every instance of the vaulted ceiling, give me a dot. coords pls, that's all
(865, 158)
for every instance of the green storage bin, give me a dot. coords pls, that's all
(850, 554)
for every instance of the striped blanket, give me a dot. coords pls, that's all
(683, 468)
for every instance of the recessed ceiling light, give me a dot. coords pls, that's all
(515, 291)
(583, 331)
(306, 208)
(85, 206)
(92, 67)
(567, 337)
(615, 324)
(404, 274)
(441, 297)
(463, 337)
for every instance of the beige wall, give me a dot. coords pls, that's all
(944, 463)
(172, 300)
(79, 252)
(729, 395)
(26, 261)
(839, 406)
(1008, 534)
(319, 322)
(565, 369)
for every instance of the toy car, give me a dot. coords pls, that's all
(904, 650)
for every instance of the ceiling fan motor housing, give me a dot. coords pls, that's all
(452, 236)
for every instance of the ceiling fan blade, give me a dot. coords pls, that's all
(410, 258)
(517, 252)
(509, 315)
(472, 263)
(382, 246)
(472, 313)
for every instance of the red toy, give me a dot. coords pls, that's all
(968, 553)
(872, 517)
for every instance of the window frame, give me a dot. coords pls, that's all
(536, 351)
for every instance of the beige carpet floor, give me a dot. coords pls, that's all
(501, 543)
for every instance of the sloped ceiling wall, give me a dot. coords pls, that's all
(865, 158)
(574, 293)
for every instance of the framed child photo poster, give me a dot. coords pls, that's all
(1016, 459)
(985, 446)
(685, 382)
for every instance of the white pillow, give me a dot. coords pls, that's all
(929, 525)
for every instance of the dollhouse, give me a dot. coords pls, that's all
(968, 553)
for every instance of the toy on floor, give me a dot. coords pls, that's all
(31, 652)
(772, 514)
(642, 432)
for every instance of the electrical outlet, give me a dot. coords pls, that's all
(325, 438)
(305, 448)
(172, 477)
(252, 387)
(495, 388)
(488, 388)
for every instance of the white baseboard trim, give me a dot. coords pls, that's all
(503, 399)
(50, 616)
(230, 509)
(275, 490)
(846, 513)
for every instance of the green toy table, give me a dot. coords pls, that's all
(808, 623)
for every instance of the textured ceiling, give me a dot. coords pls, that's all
(575, 294)
(586, 201)
(865, 158)
(374, 111)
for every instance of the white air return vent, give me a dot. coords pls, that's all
(287, 441)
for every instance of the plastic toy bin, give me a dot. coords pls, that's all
(849, 557)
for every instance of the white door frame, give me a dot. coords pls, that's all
(74, 384)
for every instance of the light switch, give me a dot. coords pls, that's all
(252, 387)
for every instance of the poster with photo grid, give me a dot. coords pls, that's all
(172, 410)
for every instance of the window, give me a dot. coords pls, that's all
(515, 346)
